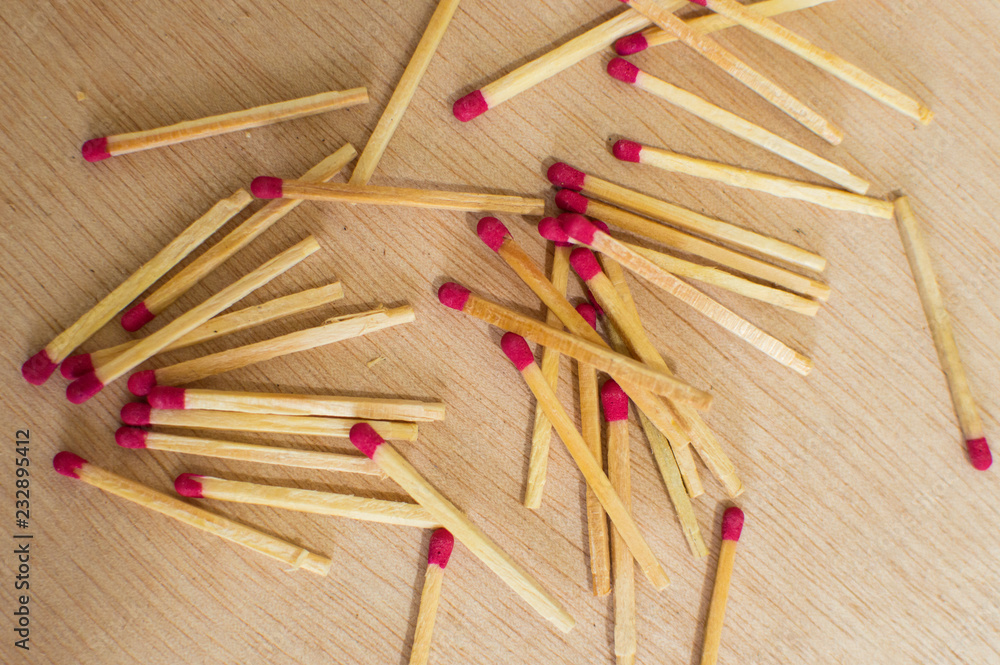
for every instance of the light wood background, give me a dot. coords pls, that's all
(869, 537)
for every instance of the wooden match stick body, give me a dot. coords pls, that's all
(405, 88)
(732, 525)
(120, 144)
(443, 510)
(73, 466)
(306, 501)
(438, 553)
(40, 367)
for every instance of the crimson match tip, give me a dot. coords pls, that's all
(979, 453)
(84, 388)
(615, 401)
(589, 313)
(187, 484)
(76, 366)
(136, 413)
(703, 3)
(471, 106)
(166, 397)
(267, 187)
(366, 439)
(732, 523)
(492, 232)
(137, 317)
(140, 383)
(584, 263)
(631, 44)
(439, 551)
(627, 151)
(593, 302)
(517, 350)
(572, 201)
(95, 150)
(623, 70)
(67, 463)
(578, 228)
(550, 229)
(37, 369)
(131, 437)
(561, 174)
(453, 295)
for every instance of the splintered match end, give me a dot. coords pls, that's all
(589, 313)
(439, 551)
(564, 175)
(732, 524)
(979, 453)
(492, 232)
(136, 413)
(95, 150)
(141, 383)
(37, 369)
(614, 401)
(623, 70)
(627, 151)
(137, 317)
(517, 350)
(84, 388)
(67, 463)
(631, 44)
(584, 263)
(76, 366)
(578, 228)
(131, 437)
(187, 484)
(550, 229)
(366, 439)
(569, 200)
(166, 397)
(267, 187)
(471, 106)
(453, 295)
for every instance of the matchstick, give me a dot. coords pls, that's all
(438, 554)
(136, 438)
(458, 297)
(405, 89)
(615, 405)
(732, 526)
(335, 330)
(74, 466)
(140, 414)
(835, 199)
(267, 187)
(40, 366)
(939, 322)
(369, 442)
(663, 16)
(831, 63)
(256, 315)
(97, 149)
(235, 240)
(492, 232)
(195, 486)
(561, 174)
(683, 242)
(364, 408)
(590, 429)
(626, 72)
(90, 384)
(517, 350)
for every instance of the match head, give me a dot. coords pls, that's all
(550, 229)
(439, 551)
(561, 174)
(588, 312)
(627, 151)
(615, 401)
(572, 201)
(67, 463)
(453, 295)
(95, 150)
(141, 383)
(137, 317)
(187, 484)
(84, 388)
(166, 397)
(979, 453)
(136, 413)
(366, 439)
(732, 524)
(631, 44)
(471, 106)
(584, 263)
(267, 187)
(131, 437)
(579, 228)
(593, 302)
(37, 369)
(623, 70)
(492, 232)
(517, 350)
(703, 3)
(76, 366)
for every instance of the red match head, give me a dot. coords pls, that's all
(492, 232)
(979, 453)
(584, 263)
(550, 229)
(137, 317)
(578, 228)
(439, 551)
(140, 383)
(517, 350)
(561, 174)
(453, 295)
(627, 151)
(37, 369)
(166, 397)
(136, 413)
(703, 3)
(95, 150)
(267, 187)
(732, 523)
(588, 312)
(631, 44)
(593, 302)
(187, 484)
(366, 439)
(131, 437)
(67, 463)
(615, 401)
(76, 366)
(471, 106)
(623, 70)
(84, 388)
(572, 201)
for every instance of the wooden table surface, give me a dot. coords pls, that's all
(869, 537)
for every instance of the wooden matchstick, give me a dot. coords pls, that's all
(519, 353)
(335, 330)
(235, 240)
(90, 384)
(626, 72)
(835, 199)
(97, 149)
(364, 408)
(582, 231)
(256, 315)
(732, 526)
(663, 16)
(40, 366)
(267, 187)
(939, 322)
(573, 202)
(831, 63)
(140, 414)
(369, 442)
(458, 297)
(405, 88)
(74, 466)
(195, 486)
(438, 554)
(136, 438)
(590, 428)
(561, 174)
